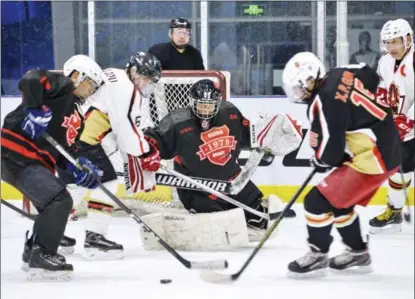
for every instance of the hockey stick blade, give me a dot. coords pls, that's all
(213, 265)
(218, 278)
(188, 264)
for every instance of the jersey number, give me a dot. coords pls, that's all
(366, 99)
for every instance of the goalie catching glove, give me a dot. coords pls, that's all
(278, 135)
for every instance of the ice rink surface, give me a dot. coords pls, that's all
(138, 274)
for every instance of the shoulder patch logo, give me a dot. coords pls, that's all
(73, 124)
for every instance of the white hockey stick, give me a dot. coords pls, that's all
(216, 264)
(247, 172)
(221, 196)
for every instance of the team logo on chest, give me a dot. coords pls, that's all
(394, 97)
(73, 124)
(217, 145)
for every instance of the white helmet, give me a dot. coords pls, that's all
(298, 70)
(86, 67)
(396, 28)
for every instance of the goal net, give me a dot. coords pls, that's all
(171, 92)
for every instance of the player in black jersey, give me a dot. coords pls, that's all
(28, 161)
(353, 132)
(205, 140)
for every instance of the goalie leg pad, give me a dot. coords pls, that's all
(197, 232)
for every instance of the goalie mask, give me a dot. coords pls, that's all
(205, 100)
(144, 70)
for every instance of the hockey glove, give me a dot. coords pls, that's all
(36, 121)
(85, 178)
(320, 166)
(150, 161)
(404, 125)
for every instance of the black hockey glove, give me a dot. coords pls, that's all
(320, 166)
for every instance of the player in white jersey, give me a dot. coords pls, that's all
(114, 116)
(396, 69)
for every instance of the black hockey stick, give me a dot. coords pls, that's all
(214, 277)
(16, 209)
(218, 264)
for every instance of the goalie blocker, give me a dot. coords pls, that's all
(205, 140)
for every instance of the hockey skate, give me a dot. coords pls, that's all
(312, 264)
(97, 247)
(67, 246)
(45, 265)
(352, 261)
(389, 221)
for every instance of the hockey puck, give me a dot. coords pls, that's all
(165, 281)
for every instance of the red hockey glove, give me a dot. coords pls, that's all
(404, 125)
(150, 161)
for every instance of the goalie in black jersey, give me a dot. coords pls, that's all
(353, 132)
(205, 140)
(29, 162)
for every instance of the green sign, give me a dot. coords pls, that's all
(253, 10)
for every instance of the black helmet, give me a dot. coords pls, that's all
(205, 93)
(144, 64)
(180, 23)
